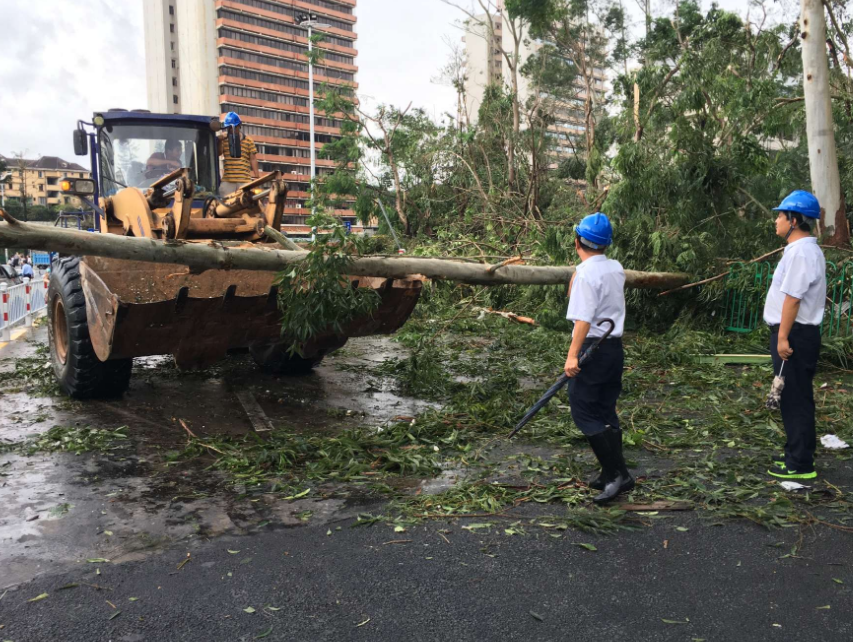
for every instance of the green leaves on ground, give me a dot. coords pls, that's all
(73, 439)
(32, 374)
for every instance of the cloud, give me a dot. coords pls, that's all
(60, 62)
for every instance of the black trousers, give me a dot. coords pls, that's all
(797, 402)
(594, 391)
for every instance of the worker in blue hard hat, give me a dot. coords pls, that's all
(597, 293)
(240, 165)
(794, 311)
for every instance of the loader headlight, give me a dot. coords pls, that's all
(77, 186)
(98, 120)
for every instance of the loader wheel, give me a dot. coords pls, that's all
(275, 359)
(78, 370)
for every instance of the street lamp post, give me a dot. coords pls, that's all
(311, 21)
(3, 203)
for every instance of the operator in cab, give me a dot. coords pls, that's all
(165, 162)
(237, 170)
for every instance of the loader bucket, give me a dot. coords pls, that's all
(136, 309)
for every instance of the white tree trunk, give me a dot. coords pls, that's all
(214, 256)
(823, 159)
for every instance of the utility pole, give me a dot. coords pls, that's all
(823, 158)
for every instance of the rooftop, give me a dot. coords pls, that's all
(54, 163)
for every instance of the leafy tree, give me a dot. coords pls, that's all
(698, 143)
(315, 296)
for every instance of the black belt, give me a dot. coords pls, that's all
(591, 340)
(775, 328)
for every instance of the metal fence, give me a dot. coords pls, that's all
(19, 303)
(839, 292)
(746, 289)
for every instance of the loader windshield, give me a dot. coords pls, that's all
(136, 155)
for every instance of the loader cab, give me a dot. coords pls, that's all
(135, 148)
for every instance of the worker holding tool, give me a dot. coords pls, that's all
(241, 162)
(596, 294)
(794, 311)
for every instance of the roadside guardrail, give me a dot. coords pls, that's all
(19, 303)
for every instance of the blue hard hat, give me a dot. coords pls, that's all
(801, 202)
(231, 119)
(596, 229)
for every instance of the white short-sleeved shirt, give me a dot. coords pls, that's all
(598, 293)
(801, 274)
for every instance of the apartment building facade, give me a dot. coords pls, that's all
(37, 180)
(250, 57)
(485, 41)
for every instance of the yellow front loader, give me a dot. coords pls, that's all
(104, 312)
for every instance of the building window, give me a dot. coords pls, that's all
(246, 19)
(290, 11)
(174, 82)
(271, 114)
(279, 44)
(172, 46)
(278, 132)
(171, 10)
(239, 54)
(41, 174)
(175, 98)
(246, 92)
(171, 28)
(42, 200)
(174, 65)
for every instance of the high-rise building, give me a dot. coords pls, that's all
(485, 42)
(250, 57)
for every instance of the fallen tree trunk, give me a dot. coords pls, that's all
(214, 256)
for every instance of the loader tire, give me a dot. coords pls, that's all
(78, 370)
(276, 360)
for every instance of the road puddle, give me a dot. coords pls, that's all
(134, 499)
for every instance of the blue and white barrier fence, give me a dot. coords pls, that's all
(19, 303)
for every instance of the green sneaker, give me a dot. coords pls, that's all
(782, 472)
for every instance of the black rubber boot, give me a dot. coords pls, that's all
(615, 474)
(615, 438)
(597, 483)
(614, 435)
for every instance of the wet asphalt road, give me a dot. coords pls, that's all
(711, 583)
(326, 580)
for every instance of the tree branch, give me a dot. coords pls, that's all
(719, 276)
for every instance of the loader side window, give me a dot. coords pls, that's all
(137, 154)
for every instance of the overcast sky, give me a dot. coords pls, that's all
(61, 60)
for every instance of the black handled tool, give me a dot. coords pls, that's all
(563, 380)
